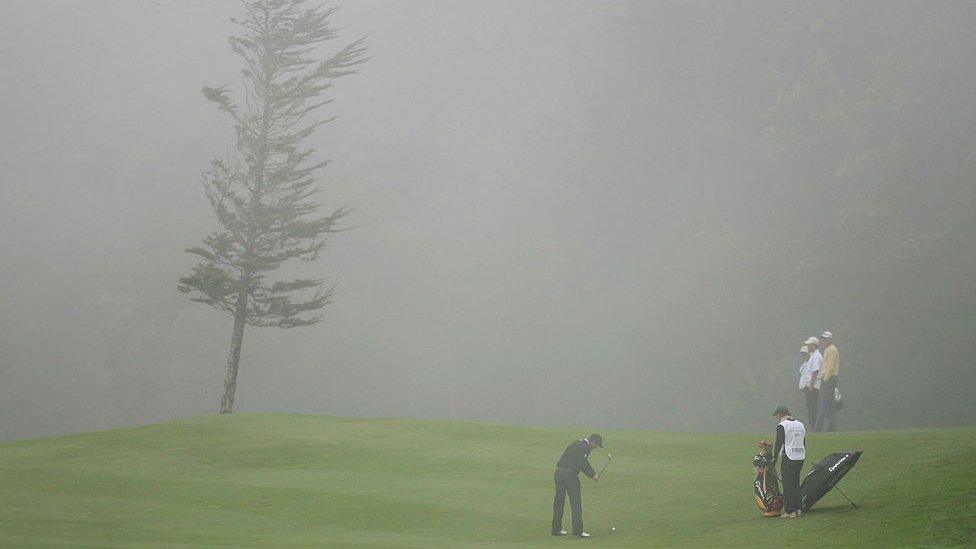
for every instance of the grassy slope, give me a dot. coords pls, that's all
(274, 480)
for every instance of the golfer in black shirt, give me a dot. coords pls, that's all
(573, 460)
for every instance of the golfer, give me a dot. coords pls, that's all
(814, 366)
(574, 459)
(810, 380)
(828, 375)
(790, 440)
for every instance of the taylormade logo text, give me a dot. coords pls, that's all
(842, 460)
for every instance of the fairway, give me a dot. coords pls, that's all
(309, 481)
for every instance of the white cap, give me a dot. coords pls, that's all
(827, 335)
(812, 341)
(804, 350)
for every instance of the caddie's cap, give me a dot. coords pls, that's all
(804, 350)
(812, 341)
(596, 439)
(781, 411)
(827, 335)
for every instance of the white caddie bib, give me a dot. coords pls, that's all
(795, 435)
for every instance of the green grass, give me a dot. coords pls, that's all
(294, 481)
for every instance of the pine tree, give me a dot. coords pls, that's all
(264, 198)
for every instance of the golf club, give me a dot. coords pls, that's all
(609, 457)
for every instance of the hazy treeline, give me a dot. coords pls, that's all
(604, 214)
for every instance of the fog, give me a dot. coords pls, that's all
(603, 214)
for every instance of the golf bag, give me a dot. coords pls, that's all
(825, 475)
(768, 498)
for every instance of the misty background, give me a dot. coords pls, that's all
(603, 214)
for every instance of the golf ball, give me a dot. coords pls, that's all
(613, 528)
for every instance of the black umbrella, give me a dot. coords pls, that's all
(825, 475)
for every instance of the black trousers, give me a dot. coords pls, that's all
(825, 409)
(813, 396)
(567, 483)
(791, 484)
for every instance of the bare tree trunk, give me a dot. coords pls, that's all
(234, 356)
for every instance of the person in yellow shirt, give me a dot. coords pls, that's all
(828, 383)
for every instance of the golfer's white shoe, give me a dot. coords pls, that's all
(788, 515)
(560, 533)
(584, 535)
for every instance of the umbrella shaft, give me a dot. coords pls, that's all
(845, 496)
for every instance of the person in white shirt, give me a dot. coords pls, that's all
(791, 447)
(812, 390)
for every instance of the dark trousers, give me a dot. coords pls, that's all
(791, 484)
(813, 395)
(825, 409)
(567, 483)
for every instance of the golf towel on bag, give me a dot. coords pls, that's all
(825, 475)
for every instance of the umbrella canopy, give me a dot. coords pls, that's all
(825, 475)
